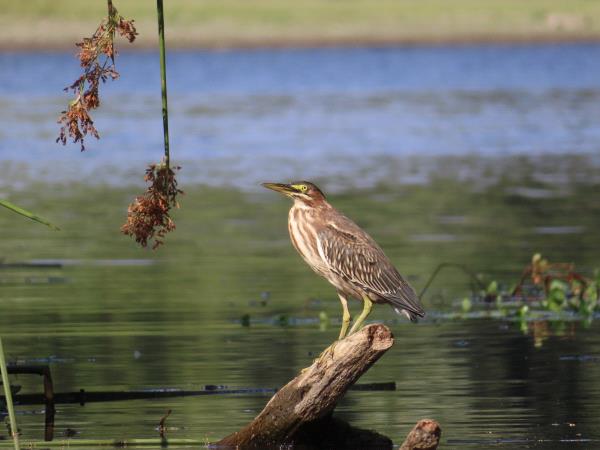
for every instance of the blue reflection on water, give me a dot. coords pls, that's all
(250, 114)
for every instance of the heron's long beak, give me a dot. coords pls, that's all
(285, 189)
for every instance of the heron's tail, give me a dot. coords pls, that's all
(405, 301)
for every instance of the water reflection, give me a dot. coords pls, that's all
(174, 318)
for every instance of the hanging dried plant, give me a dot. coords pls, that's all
(97, 58)
(148, 217)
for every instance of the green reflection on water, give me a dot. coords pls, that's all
(119, 317)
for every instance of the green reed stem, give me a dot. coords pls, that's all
(8, 397)
(163, 77)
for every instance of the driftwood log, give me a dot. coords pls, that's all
(300, 412)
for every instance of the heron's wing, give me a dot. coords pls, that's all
(357, 258)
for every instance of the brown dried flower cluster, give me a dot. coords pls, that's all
(148, 216)
(97, 58)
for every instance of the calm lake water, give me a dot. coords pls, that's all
(474, 155)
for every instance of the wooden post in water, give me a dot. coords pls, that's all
(302, 409)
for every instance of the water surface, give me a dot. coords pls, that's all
(475, 155)
(241, 116)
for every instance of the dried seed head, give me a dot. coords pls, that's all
(127, 29)
(148, 216)
(97, 58)
(76, 124)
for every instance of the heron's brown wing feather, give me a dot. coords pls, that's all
(354, 255)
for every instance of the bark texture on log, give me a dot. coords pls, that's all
(314, 393)
(424, 436)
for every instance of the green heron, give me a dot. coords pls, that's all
(345, 255)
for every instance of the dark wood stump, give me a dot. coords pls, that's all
(424, 436)
(300, 412)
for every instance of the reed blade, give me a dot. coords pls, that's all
(28, 214)
(8, 398)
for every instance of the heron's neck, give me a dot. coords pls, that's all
(301, 204)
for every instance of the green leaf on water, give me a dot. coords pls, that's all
(523, 325)
(523, 311)
(323, 317)
(557, 295)
(492, 288)
(466, 304)
(29, 215)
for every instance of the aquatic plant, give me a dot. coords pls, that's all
(97, 58)
(543, 274)
(148, 216)
(553, 287)
(561, 286)
(23, 212)
(546, 295)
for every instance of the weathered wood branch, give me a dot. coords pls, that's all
(300, 413)
(314, 393)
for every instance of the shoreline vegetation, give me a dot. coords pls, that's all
(222, 24)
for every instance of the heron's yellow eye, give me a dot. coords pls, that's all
(304, 188)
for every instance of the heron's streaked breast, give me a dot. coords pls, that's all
(303, 234)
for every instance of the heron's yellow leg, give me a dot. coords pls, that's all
(346, 317)
(368, 304)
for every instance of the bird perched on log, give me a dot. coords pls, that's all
(345, 255)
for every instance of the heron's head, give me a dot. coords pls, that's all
(303, 191)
